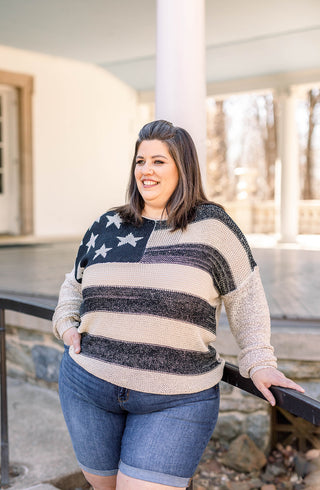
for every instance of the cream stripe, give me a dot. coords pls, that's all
(147, 330)
(172, 277)
(149, 381)
(210, 232)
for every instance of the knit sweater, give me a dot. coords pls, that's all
(147, 302)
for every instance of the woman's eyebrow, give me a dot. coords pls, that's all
(159, 156)
(153, 156)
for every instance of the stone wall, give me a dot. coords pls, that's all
(34, 354)
(298, 358)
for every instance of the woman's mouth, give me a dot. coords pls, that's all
(149, 183)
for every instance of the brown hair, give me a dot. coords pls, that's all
(189, 193)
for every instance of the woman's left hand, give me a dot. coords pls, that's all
(266, 377)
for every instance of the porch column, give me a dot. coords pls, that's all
(289, 161)
(181, 77)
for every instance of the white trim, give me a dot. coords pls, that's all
(9, 199)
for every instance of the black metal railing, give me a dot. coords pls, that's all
(294, 402)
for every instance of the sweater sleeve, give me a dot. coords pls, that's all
(249, 321)
(67, 312)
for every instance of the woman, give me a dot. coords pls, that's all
(139, 383)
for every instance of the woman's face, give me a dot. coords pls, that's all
(156, 175)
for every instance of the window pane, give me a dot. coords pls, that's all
(0, 131)
(0, 157)
(0, 106)
(1, 187)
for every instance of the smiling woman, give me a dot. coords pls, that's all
(157, 177)
(139, 380)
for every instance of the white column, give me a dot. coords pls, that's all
(181, 77)
(289, 158)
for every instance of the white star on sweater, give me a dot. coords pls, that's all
(115, 220)
(102, 251)
(132, 240)
(92, 241)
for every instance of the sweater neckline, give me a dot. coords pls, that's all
(155, 220)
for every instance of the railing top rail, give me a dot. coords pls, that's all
(294, 402)
(38, 307)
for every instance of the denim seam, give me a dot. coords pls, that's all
(153, 476)
(93, 471)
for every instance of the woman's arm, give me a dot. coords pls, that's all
(66, 317)
(249, 321)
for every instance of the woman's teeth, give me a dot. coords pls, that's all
(149, 182)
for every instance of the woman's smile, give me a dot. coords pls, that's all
(149, 183)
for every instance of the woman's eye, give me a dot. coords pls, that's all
(158, 162)
(139, 162)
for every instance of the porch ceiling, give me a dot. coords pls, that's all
(243, 39)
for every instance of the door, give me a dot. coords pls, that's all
(9, 162)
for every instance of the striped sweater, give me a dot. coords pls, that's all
(147, 302)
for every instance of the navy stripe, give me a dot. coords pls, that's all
(148, 357)
(198, 255)
(211, 211)
(149, 301)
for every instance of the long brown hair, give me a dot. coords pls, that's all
(189, 193)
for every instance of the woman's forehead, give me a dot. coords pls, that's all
(153, 147)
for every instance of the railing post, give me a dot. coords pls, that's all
(4, 406)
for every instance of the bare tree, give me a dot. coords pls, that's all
(270, 145)
(217, 170)
(241, 147)
(313, 100)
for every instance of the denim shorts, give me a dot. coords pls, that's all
(156, 438)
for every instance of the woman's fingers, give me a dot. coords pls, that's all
(72, 337)
(267, 394)
(264, 378)
(76, 342)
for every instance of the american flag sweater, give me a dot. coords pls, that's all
(147, 302)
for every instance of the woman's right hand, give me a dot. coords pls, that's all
(72, 337)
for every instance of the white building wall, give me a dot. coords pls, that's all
(84, 128)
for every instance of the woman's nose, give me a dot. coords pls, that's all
(147, 168)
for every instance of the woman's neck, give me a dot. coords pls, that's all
(154, 213)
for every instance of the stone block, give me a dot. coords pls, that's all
(312, 388)
(313, 479)
(300, 370)
(225, 388)
(228, 427)
(42, 486)
(257, 426)
(242, 402)
(47, 362)
(244, 456)
(19, 354)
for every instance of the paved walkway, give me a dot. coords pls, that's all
(39, 444)
(290, 273)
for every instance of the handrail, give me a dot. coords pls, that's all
(294, 402)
